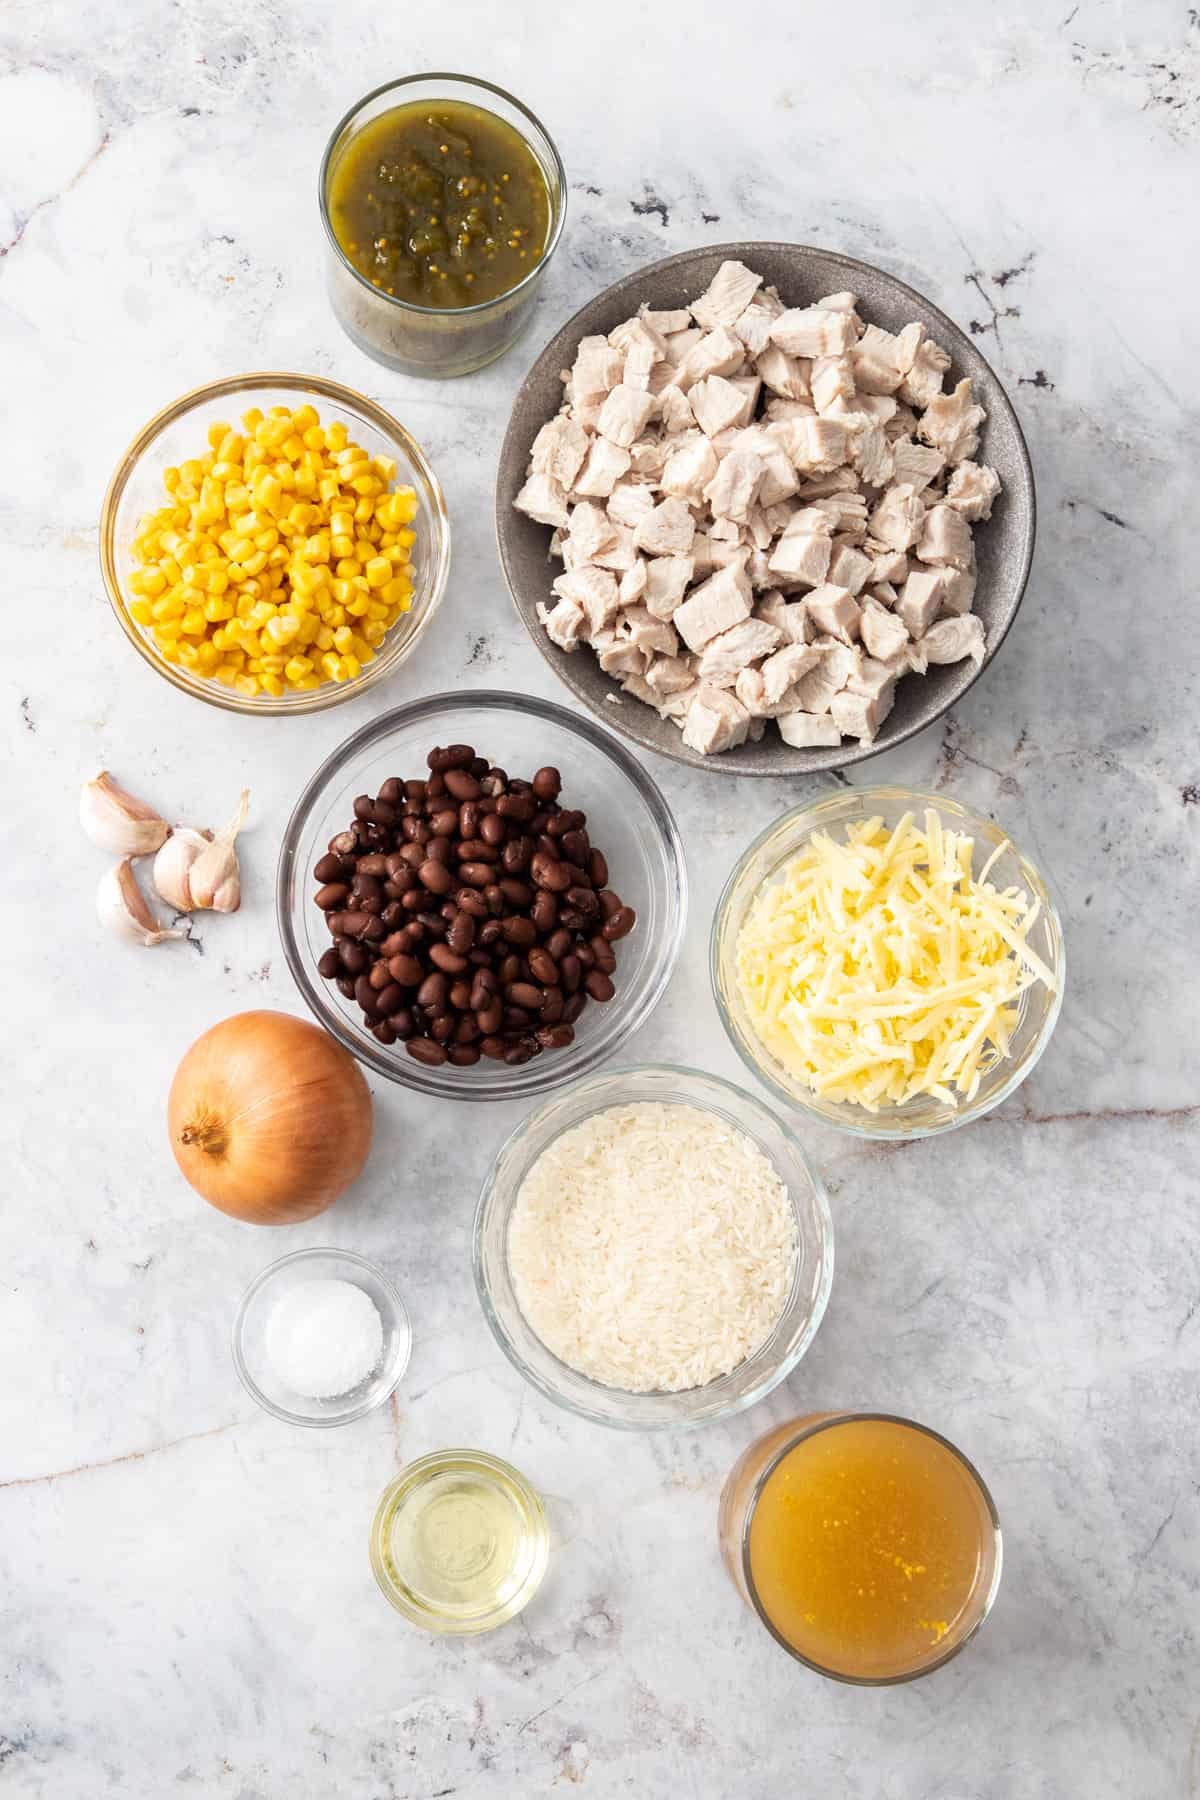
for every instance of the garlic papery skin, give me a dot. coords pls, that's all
(121, 908)
(215, 879)
(173, 866)
(118, 821)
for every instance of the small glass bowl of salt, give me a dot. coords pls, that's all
(321, 1337)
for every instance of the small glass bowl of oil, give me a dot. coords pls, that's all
(459, 1542)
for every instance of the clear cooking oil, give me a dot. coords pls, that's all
(460, 1542)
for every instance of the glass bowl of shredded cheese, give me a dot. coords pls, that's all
(653, 1249)
(889, 961)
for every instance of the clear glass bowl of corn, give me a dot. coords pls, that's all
(274, 543)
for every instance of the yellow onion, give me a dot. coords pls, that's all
(270, 1119)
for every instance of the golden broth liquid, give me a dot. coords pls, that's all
(872, 1549)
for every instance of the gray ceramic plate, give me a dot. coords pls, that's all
(1004, 543)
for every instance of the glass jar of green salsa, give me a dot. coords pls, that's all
(443, 200)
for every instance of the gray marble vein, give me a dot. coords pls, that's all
(185, 1600)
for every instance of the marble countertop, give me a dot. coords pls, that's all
(185, 1600)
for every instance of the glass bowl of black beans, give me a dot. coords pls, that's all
(481, 895)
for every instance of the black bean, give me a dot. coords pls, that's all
(332, 896)
(433, 991)
(573, 1007)
(450, 756)
(461, 784)
(425, 1050)
(543, 967)
(442, 957)
(330, 964)
(555, 1037)
(547, 783)
(619, 924)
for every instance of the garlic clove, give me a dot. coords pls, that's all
(173, 865)
(116, 820)
(122, 909)
(215, 878)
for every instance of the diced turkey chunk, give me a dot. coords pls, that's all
(595, 590)
(860, 715)
(734, 488)
(667, 530)
(717, 404)
(603, 467)
(559, 450)
(971, 489)
(883, 634)
(667, 579)
(747, 642)
(623, 414)
(544, 499)
(712, 464)
(951, 423)
(813, 331)
(809, 731)
(801, 556)
(923, 382)
(834, 612)
(716, 721)
(946, 538)
(564, 623)
(950, 640)
(716, 353)
(727, 296)
(721, 601)
(897, 519)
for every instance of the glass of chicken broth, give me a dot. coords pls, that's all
(442, 199)
(868, 1545)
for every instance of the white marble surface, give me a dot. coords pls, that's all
(185, 1600)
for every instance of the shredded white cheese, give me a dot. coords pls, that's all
(652, 1247)
(881, 967)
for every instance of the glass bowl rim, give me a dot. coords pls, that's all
(828, 1423)
(338, 394)
(914, 799)
(428, 1464)
(737, 1404)
(487, 700)
(559, 212)
(255, 1288)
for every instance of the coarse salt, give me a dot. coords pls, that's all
(324, 1338)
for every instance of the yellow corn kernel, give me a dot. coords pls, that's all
(385, 466)
(297, 668)
(396, 591)
(140, 610)
(189, 655)
(374, 631)
(378, 572)
(358, 606)
(329, 663)
(226, 674)
(169, 607)
(193, 623)
(350, 668)
(246, 684)
(272, 685)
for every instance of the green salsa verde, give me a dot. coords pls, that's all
(440, 204)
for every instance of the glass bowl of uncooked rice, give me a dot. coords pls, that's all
(653, 1249)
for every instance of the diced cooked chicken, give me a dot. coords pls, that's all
(950, 640)
(951, 423)
(897, 519)
(716, 353)
(744, 643)
(559, 450)
(916, 463)
(834, 612)
(593, 589)
(717, 404)
(603, 467)
(716, 721)
(790, 617)
(801, 556)
(946, 538)
(882, 633)
(727, 296)
(623, 414)
(832, 382)
(544, 499)
(666, 530)
(920, 601)
(564, 623)
(667, 579)
(689, 469)
(809, 731)
(849, 567)
(721, 601)
(787, 376)
(813, 331)
(861, 715)
(734, 488)
(923, 380)
(756, 455)
(971, 489)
